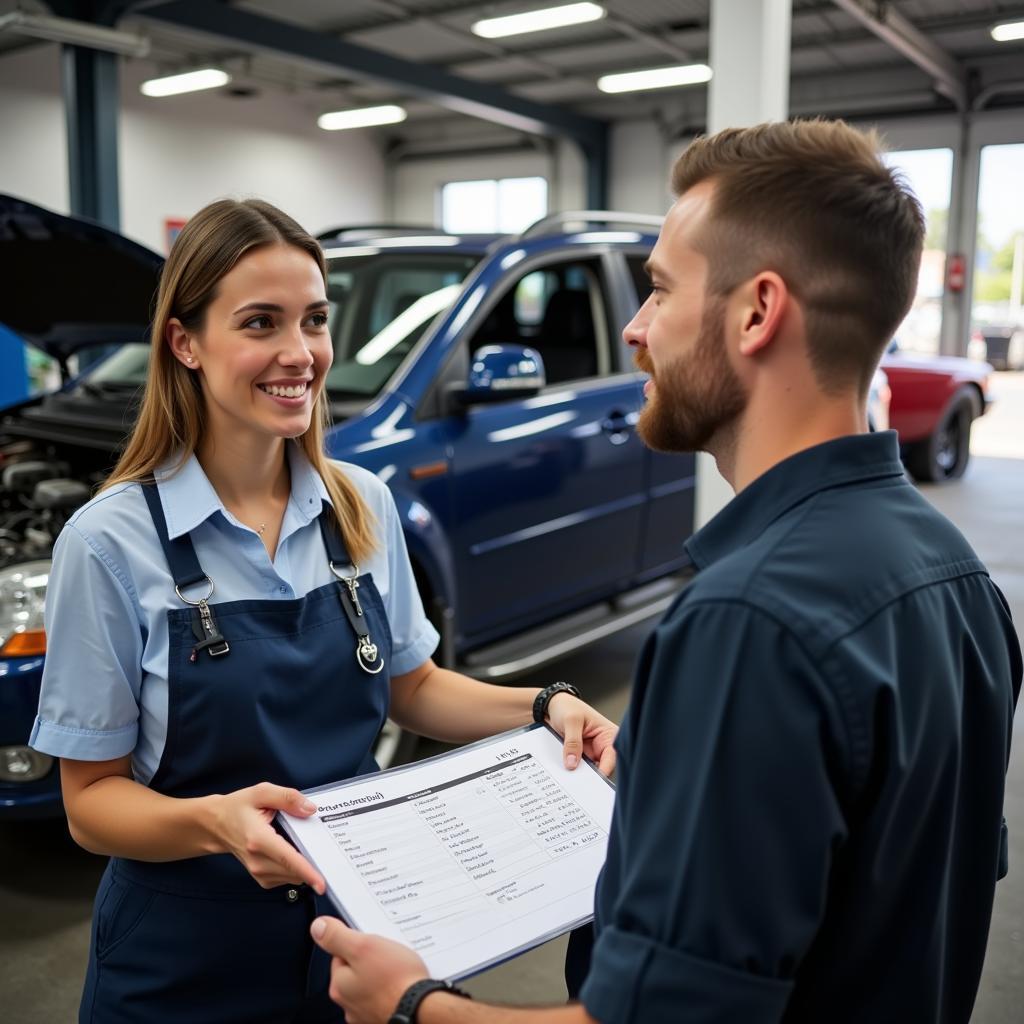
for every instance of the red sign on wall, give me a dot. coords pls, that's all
(172, 228)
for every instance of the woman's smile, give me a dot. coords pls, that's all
(291, 394)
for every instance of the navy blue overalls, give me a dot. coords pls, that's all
(289, 692)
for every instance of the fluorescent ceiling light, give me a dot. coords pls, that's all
(1008, 31)
(74, 33)
(655, 78)
(190, 81)
(537, 21)
(364, 117)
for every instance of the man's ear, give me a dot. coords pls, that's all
(765, 299)
(179, 342)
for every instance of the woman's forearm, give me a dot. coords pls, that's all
(119, 817)
(452, 707)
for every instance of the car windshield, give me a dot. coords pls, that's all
(380, 305)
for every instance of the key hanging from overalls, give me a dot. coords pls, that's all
(368, 657)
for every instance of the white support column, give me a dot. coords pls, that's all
(961, 227)
(749, 56)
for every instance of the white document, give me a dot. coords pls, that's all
(468, 858)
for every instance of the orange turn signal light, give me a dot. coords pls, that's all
(28, 644)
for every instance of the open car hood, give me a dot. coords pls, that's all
(68, 283)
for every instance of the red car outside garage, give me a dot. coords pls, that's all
(935, 399)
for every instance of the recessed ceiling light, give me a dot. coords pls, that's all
(1008, 31)
(537, 21)
(190, 81)
(364, 117)
(655, 78)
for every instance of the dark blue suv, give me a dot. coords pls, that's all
(483, 378)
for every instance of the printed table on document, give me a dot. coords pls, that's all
(446, 863)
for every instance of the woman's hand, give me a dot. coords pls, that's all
(243, 828)
(583, 731)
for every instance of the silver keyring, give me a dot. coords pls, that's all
(345, 579)
(177, 590)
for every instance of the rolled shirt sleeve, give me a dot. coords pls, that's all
(725, 827)
(88, 707)
(414, 638)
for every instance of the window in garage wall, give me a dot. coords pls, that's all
(493, 205)
(997, 317)
(929, 172)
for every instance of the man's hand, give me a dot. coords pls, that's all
(369, 974)
(584, 731)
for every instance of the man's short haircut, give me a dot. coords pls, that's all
(813, 201)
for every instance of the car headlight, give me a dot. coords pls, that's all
(22, 592)
(23, 764)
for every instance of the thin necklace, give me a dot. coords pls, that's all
(259, 532)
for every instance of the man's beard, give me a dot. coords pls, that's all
(696, 396)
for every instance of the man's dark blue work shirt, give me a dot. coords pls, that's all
(809, 818)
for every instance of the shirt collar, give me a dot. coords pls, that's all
(791, 482)
(308, 489)
(188, 497)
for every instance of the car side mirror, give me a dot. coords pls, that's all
(499, 372)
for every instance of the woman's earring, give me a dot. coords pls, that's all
(189, 359)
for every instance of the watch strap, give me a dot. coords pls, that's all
(541, 701)
(405, 1011)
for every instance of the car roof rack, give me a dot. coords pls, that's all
(553, 221)
(376, 230)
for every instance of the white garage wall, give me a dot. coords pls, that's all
(33, 153)
(179, 153)
(640, 166)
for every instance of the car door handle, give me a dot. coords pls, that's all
(616, 427)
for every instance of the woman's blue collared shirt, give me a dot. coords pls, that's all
(104, 688)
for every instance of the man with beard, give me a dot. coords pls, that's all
(808, 825)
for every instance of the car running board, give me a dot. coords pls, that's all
(506, 660)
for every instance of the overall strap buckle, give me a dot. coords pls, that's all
(204, 627)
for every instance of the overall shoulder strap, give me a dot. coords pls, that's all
(331, 533)
(180, 554)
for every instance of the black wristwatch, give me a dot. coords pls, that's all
(405, 1011)
(543, 699)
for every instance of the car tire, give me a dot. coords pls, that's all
(944, 454)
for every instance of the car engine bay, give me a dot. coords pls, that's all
(39, 491)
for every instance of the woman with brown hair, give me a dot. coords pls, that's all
(231, 620)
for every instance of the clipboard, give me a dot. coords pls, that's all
(470, 857)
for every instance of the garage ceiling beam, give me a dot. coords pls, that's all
(882, 18)
(477, 99)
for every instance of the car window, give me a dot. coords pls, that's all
(128, 366)
(561, 311)
(380, 306)
(43, 371)
(641, 281)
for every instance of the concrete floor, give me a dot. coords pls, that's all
(47, 883)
